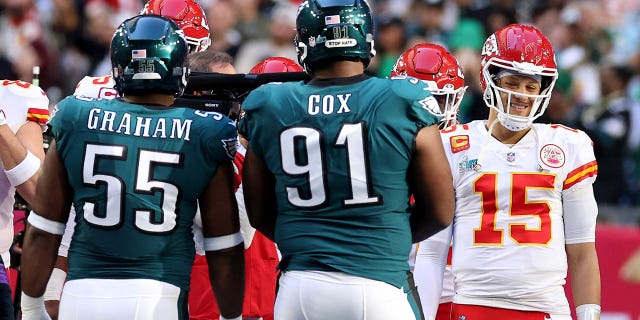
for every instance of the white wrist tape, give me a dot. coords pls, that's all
(24, 170)
(236, 318)
(223, 242)
(44, 224)
(588, 312)
(3, 119)
(33, 308)
(55, 284)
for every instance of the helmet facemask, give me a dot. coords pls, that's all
(449, 100)
(198, 45)
(523, 50)
(493, 98)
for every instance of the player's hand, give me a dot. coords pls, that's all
(33, 308)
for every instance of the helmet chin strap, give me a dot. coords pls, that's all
(512, 124)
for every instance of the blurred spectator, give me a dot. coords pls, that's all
(561, 105)
(545, 15)
(607, 123)
(254, 18)
(428, 23)
(493, 14)
(472, 106)
(23, 41)
(395, 8)
(282, 30)
(468, 33)
(222, 21)
(390, 43)
(102, 20)
(6, 69)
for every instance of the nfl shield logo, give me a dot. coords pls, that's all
(511, 156)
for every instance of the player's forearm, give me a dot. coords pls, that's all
(585, 273)
(21, 155)
(39, 254)
(424, 225)
(227, 275)
(431, 261)
(12, 151)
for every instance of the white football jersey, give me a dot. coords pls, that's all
(20, 102)
(96, 87)
(447, 279)
(508, 229)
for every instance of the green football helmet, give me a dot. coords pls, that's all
(334, 30)
(149, 54)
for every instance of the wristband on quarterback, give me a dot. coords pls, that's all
(588, 312)
(24, 170)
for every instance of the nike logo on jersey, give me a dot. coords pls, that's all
(328, 104)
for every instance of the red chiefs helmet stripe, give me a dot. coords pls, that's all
(580, 173)
(40, 116)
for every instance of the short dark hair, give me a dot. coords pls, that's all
(202, 61)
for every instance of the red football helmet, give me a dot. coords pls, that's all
(518, 49)
(441, 71)
(188, 15)
(276, 64)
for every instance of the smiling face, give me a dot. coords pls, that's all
(518, 94)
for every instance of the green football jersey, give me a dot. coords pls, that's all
(136, 173)
(340, 152)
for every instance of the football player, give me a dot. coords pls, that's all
(327, 169)
(525, 209)
(437, 67)
(190, 17)
(261, 256)
(136, 197)
(24, 112)
(88, 87)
